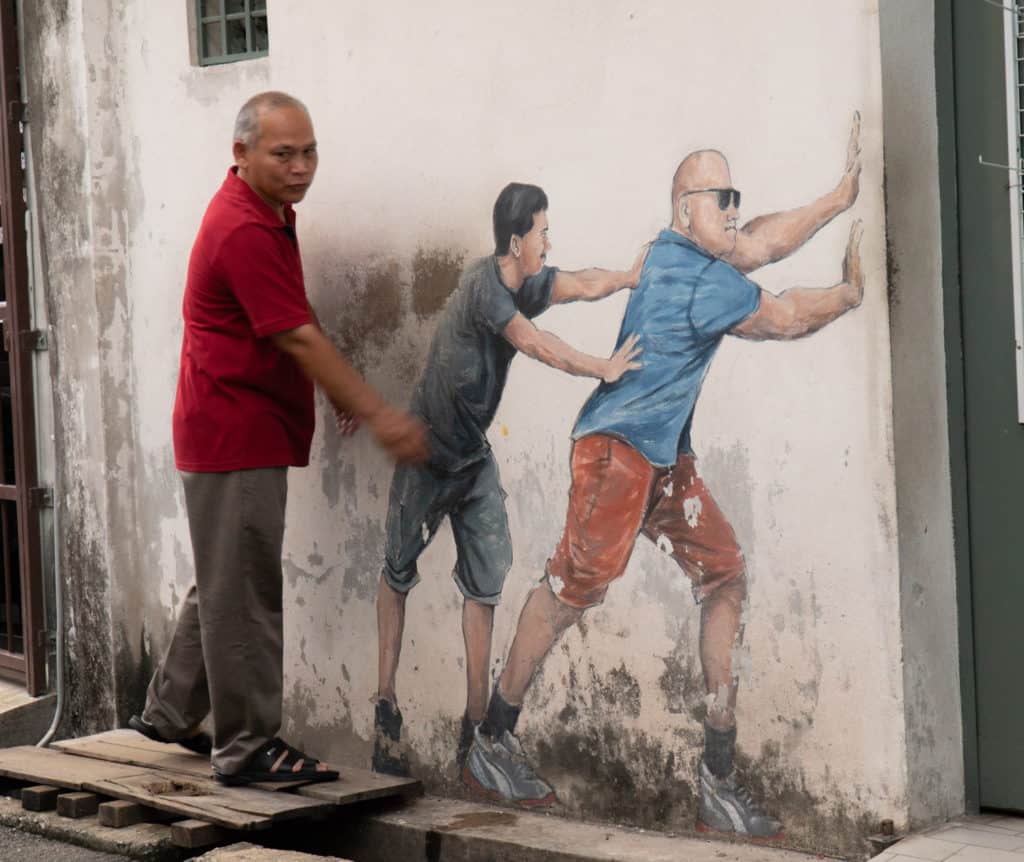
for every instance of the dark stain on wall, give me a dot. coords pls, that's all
(812, 823)
(131, 676)
(435, 275)
(616, 774)
(619, 690)
(380, 311)
(682, 683)
(892, 267)
(89, 657)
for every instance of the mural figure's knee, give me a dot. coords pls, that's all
(563, 615)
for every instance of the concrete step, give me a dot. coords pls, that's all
(23, 719)
(448, 830)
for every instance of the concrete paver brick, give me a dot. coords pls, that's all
(252, 853)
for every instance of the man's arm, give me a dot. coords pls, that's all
(800, 311)
(769, 238)
(345, 421)
(593, 283)
(398, 433)
(548, 348)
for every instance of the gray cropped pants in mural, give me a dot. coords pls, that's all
(474, 502)
(226, 654)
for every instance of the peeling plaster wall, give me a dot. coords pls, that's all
(423, 113)
(75, 262)
(927, 566)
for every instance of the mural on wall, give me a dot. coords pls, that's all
(485, 322)
(633, 470)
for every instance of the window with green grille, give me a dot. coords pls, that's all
(231, 30)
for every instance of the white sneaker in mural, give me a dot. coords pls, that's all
(498, 768)
(726, 806)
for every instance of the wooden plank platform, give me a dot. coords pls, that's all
(125, 765)
(45, 766)
(205, 799)
(359, 785)
(127, 746)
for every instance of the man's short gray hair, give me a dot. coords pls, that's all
(247, 124)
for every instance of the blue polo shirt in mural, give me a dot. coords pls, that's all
(467, 366)
(685, 303)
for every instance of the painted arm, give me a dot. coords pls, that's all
(800, 311)
(399, 434)
(593, 283)
(769, 238)
(548, 348)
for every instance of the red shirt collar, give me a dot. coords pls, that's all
(241, 191)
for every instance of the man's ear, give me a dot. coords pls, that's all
(684, 213)
(240, 152)
(514, 246)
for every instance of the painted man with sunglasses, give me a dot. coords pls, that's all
(634, 471)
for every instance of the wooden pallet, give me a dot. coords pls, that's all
(129, 747)
(124, 765)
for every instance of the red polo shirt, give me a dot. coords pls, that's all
(242, 402)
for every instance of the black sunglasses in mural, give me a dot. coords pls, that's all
(725, 197)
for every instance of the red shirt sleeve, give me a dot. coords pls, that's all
(262, 269)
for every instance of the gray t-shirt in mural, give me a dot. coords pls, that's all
(467, 366)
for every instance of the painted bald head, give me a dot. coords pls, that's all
(705, 207)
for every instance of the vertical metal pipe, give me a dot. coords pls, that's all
(58, 711)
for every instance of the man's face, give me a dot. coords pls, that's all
(534, 247)
(280, 165)
(713, 227)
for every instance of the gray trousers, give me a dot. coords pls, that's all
(226, 656)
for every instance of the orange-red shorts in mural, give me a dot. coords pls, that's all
(616, 494)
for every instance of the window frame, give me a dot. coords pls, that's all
(248, 15)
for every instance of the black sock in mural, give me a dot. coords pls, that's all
(500, 716)
(719, 749)
(465, 740)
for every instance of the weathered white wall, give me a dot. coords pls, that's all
(927, 566)
(423, 112)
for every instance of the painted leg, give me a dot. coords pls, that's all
(543, 621)
(390, 628)
(477, 630)
(497, 766)
(388, 757)
(721, 633)
(725, 806)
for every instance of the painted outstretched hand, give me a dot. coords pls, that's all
(849, 185)
(621, 360)
(853, 273)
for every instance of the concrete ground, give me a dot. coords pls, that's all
(18, 846)
(988, 838)
(428, 828)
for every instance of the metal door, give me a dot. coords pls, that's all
(993, 443)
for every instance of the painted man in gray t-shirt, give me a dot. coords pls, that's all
(486, 321)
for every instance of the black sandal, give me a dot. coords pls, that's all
(200, 743)
(277, 761)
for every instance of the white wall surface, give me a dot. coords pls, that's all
(423, 112)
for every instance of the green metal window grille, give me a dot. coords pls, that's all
(231, 30)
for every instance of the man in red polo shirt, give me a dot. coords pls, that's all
(252, 350)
